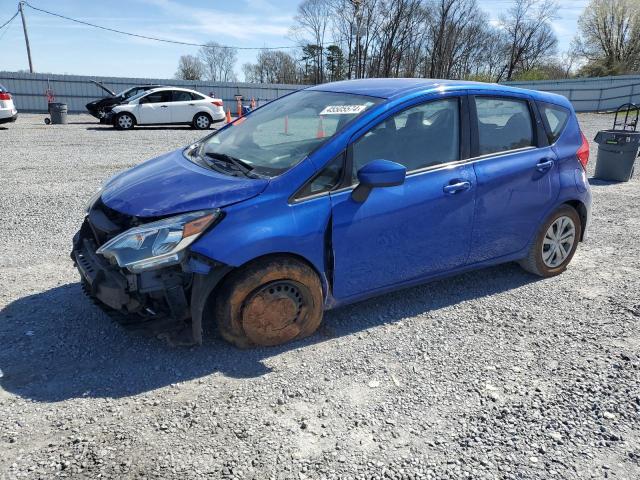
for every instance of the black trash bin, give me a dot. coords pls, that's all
(618, 147)
(58, 113)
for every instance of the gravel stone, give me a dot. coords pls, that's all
(476, 375)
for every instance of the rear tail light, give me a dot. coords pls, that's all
(5, 96)
(583, 152)
(218, 103)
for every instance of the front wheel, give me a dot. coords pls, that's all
(269, 302)
(555, 243)
(125, 121)
(201, 121)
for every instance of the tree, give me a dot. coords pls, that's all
(189, 68)
(311, 59)
(529, 36)
(456, 33)
(335, 63)
(609, 37)
(272, 67)
(312, 20)
(219, 62)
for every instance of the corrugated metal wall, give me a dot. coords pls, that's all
(586, 94)
(76, 91)
(591, 94)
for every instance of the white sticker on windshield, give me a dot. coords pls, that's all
(343, 109)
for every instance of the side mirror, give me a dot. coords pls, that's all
(379, 173)
(143, 100)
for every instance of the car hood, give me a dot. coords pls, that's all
(105, 101)
(171, 184)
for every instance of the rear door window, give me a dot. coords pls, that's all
(504, 124)
(555, 119)
(180, 96)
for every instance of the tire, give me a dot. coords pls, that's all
(201, 121)
(544, 259)
(124, 121)
(269, 302)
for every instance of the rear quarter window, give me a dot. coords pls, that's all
(555, 119)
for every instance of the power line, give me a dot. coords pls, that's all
(156, 39)
(9, 21)
(4, 32)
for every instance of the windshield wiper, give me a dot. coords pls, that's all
(240, 165)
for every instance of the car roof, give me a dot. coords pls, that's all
(164, 87)
(391, 88)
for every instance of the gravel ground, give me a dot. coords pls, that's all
(491, 374)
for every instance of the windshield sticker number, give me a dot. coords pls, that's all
(343, 109)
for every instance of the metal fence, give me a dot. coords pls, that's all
(591, 94)
(29, 89)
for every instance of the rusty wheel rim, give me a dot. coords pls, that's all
(274, 313)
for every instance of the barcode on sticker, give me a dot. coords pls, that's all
(343, 109)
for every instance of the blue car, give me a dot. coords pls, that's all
(334, 194)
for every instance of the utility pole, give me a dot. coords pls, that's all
(26, 36)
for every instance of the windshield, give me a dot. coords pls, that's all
(279, 135)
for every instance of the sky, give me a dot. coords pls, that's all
(59, 46)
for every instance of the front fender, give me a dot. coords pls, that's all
(266, 226)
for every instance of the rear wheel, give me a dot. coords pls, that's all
(555, 243)
(201, 121)
(269, 302)
(124, 121)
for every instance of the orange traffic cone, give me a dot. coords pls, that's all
(253, 103)
(228, 115)
(320, 133)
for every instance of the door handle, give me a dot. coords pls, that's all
(192, 104)
(454, 188)
(164, 106)
(545, 165)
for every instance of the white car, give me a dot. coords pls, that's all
(168, 106)
(8, 112)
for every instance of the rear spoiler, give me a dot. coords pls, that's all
(99, 84)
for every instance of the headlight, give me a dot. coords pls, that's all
(158, 244)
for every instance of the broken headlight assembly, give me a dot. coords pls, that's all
(158, 244)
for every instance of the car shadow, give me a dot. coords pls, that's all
(57, 345)
(110, 128)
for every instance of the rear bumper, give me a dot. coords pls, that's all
(10, 119)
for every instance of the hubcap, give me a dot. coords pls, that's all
(272, 314)
(558, 242)
(125, 121)
(202, 121)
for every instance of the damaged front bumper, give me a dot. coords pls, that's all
(171, 299)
